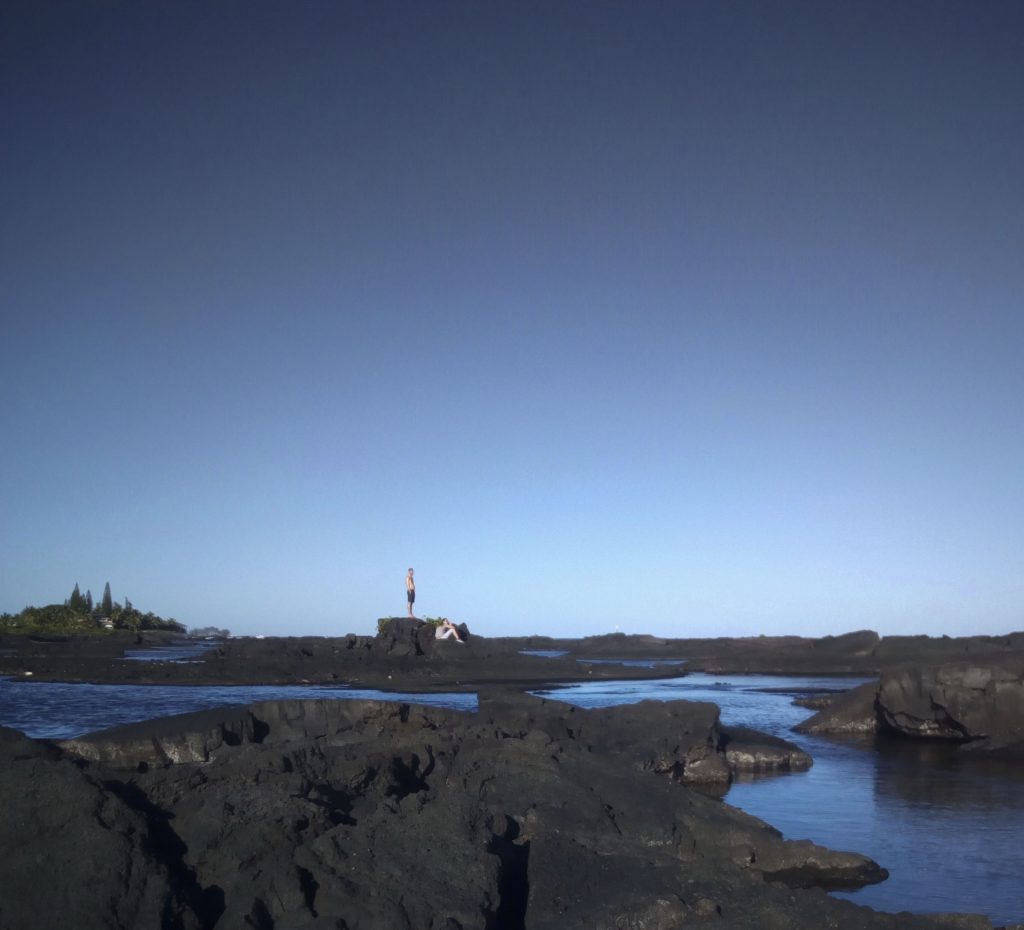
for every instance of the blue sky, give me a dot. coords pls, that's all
(682, 318)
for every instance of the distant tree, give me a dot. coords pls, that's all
(88, 601)
(124, 619)
(76, 602)
(64, 618)
(54, 618)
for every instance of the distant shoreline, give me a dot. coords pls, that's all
(405, 656)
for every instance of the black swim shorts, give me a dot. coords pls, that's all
(411, 594)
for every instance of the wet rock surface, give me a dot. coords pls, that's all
(350, 814)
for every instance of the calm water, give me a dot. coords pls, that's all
(57, 711)
(177, 652)
(949, 830)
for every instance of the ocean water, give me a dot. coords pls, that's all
(177, 652)
(950, 830)
(45, 710)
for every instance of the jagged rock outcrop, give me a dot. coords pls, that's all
(852, 712)
(401, 636)
(367, 815)
(981, 706)
(76, 853)
(977, 705)
(682, 739)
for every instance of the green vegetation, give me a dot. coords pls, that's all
(78, 615)
(433, 621)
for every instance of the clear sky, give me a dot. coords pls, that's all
(688, 318)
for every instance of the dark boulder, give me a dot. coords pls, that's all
(407, 636)
(749, 752)
(977, 704)
(78, 851)
(676, 738)
(400, 636)
(851, 712)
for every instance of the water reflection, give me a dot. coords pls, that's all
(939, 777)
(948, 829)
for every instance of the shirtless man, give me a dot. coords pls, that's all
(410, 591)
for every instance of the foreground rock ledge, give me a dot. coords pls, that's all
(356, 815)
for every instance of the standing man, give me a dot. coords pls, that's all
(410, 591)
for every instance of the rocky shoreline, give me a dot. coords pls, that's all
(528, 813)
(406, 652)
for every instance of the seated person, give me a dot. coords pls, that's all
(445, 629)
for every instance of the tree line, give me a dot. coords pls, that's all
(79, 614)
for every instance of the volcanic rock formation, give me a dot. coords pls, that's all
(978, 704)
(355, 815)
